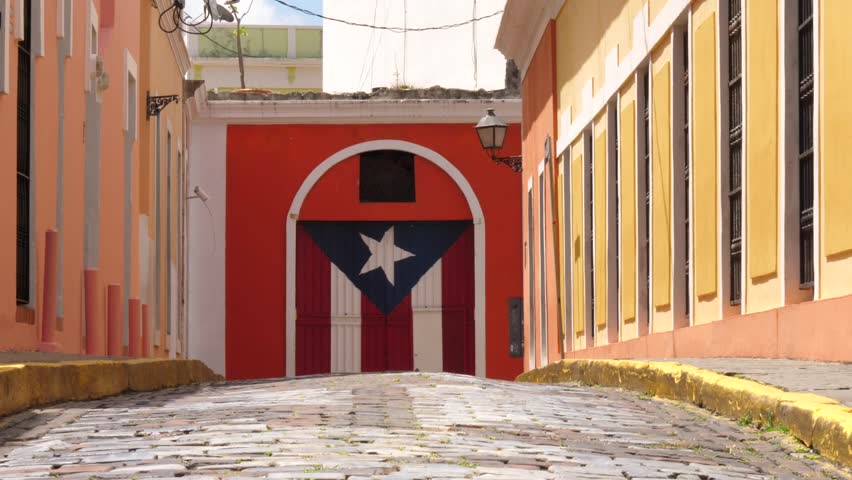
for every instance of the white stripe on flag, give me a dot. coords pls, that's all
(428, 317)
(345, 324)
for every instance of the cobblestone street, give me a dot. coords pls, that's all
(392, 426)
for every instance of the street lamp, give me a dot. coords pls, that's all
(491, 130)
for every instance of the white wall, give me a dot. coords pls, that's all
(358, 58)
(206, 252)
(260, 76)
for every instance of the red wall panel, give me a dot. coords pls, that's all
(266, 165)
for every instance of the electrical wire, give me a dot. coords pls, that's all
(392, 29)
(178, 21)
(181, 22)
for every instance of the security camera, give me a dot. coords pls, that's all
(199, 193)
(218, 12)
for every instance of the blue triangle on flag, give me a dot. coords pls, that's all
(417, 246)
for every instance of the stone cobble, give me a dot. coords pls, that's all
(403, 426)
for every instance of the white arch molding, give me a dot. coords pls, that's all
(478, 235)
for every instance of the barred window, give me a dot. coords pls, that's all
(590, 219)
(646, 130)
(24, 179)
(735, 127)
(686, 215)
(806, 143)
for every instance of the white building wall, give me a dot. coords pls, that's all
(359, 58)
(206, 282)
(265, 75)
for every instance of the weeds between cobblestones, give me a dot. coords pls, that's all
(396, 427)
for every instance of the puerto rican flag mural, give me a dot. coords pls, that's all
(384, 296)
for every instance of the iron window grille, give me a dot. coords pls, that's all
(687, 213)
(590, 199)
(806, 144)
(617, 219)
(646, 130)
(735, 52)
(24, 180)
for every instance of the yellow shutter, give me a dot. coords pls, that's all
(705, 158)
(836, 125)
(661, 188)
(761, 158)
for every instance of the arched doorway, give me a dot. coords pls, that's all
(383, 260)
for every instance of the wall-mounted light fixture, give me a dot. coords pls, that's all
(491, 130)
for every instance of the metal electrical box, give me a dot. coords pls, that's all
(516, 327)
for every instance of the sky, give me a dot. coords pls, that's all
(269, 12)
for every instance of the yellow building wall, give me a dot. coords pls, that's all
(705, 159)
(161, 75)
(764, 287)
(654, 9)
(592, 28)
(627, 164)
(835, 143)
(661, 182)
(599, 154)
(578, 258)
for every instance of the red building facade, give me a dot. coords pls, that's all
(384, 240)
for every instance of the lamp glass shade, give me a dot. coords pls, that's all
(492, 131)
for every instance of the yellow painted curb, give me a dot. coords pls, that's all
(28, 385)
(819, 422)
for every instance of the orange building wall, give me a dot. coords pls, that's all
(539, 112)
(118, 32)
(15, 333)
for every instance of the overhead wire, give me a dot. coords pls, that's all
(177, 20)
(402, 29)
(361, 77)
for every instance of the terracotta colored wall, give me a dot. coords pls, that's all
(810, 331)
(539, 112)
(118, 32)
(266, 165)
(45, 111)
(71, 338)
(15, 333)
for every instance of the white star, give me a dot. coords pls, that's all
(383, 255)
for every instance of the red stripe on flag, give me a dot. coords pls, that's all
(313, 306)
(401, 337)
(457, 297)
(373, 337)
(387, 341)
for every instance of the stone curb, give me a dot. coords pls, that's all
(28, 385)
(819, 422)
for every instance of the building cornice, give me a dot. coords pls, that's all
(178, 46)
(521, 29)
(331, 112)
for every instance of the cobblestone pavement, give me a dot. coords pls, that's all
(833, 380)
(392, 426)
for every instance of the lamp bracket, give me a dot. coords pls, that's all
(156, 104)
(514, 162)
